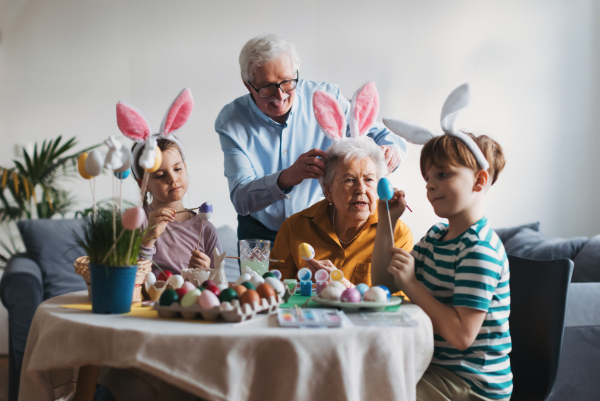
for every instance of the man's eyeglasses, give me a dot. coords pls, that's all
(271, 89)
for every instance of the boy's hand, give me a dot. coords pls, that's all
(157, 223)
(397, 205)
(199, 260)
(402, 267)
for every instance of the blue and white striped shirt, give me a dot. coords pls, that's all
(471, 271)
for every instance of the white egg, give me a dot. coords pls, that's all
(176, 281)
(375, 294)
(256, 280)
(150, 279)
(94, 163)
(243, 278)
(336, 284)
(332, 293)
(276, 285)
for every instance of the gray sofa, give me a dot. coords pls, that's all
(47, 271)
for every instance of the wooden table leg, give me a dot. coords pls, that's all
(86, 383)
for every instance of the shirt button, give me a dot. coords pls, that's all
(285, 152)
(288, 197)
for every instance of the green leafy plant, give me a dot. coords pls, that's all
(10, 246)
(99, 236)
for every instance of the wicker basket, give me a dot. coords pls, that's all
(144, 267)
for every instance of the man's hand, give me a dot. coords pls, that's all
(392, 157)
(308, 165)
(199, 260)
(402, 267)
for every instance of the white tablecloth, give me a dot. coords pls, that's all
(255, 360)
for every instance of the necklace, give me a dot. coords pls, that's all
(338, 237)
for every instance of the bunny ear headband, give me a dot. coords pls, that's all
(133, 125)
(456, 101)
(332, 120)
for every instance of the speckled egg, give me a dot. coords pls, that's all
(168, 297)
(350, 295)
(175, 280)
(265, 291)
(362, 288)
(190, 298)
(133, 218)
(276, 285)
(228, 295)
(375, 294)
(249, 297)
(240, 289)
(208, 300)
(332, 293)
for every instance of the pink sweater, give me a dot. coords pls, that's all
(173, 249)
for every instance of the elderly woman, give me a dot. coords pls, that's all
(342, 227)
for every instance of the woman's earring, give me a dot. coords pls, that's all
(330, 203)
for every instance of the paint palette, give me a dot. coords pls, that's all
(289, 317)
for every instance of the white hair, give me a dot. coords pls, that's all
(352, 149)
(260, 50)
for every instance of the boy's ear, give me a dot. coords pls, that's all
(482, 178)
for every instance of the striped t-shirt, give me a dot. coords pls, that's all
(471, 271)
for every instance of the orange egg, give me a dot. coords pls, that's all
(266, 291)
(249, 297)
(240, 289)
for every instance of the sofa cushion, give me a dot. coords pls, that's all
(587, 262)
(507, 233)
(51, 244)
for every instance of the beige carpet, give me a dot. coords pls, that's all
(3, 378)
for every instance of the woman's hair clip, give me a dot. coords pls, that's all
(458, 99)
(332, 120)
(134, 125)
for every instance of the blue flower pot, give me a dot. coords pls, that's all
(112, 288)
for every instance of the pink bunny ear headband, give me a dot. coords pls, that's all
(332, 120)
(133, 125)
(458, 99)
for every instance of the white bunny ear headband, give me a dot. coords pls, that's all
(135, 126)
(332, 120)
(458, 99)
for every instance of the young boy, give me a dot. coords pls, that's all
(458, 274)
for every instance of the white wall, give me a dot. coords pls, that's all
(64, 65)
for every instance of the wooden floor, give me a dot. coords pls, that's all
(3, 378)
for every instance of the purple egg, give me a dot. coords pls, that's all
(205, 211)
(350, 295)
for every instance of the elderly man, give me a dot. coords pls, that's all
(272, 142)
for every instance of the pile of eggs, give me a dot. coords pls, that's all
(336, 291)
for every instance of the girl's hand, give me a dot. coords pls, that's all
(199, 260)
(402, 267)
(397, 206)
(157, 223)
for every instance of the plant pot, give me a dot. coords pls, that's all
(112, 288)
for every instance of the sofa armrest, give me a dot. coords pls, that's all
(582, 305)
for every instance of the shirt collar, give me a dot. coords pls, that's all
(266, 118)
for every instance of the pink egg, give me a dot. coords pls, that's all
(351, 295)
(133, 218)
(188, 286)
(208, 300)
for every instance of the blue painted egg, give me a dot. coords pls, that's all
(122, 175)
(385, 190)
(387, 291)
(362, 288)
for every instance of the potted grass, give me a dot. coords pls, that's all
(114, 268)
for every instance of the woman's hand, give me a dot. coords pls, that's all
(199, 260)
(157, 223)
(315, 265)
(397, 206)
(402, 267)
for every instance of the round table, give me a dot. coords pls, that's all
(252, 360)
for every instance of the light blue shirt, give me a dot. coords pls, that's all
(258, 148)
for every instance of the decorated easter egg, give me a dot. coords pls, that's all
(249, 285)
(213, 288)
(276, 272)
(228, 295)
(268, 274)
(181, 292)
(265, 291)
(337, 275)
(332, 293)
(256, 280)
(385, 190)
(243, 278)
(94, 163)
(207, 283)
(337, 284)
(240, 289)
(190, 298)
(304, 274)
(321, 275)
(208, 300)
(175, 280)
(307, 252)
(188, 286)
(362, 288)
(133, 218)
(164, 275)
(150, 279)
(157, 161)
(249, 297)
(122, 175)
(126, 160)
(168, 297)
(387, 291)
(350, 295)
(81, 166)
(276, 285)
(375, 294)
(205, 210)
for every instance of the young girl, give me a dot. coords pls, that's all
(458, 273)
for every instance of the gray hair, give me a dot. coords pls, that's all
(260, 50)
(352, 149)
